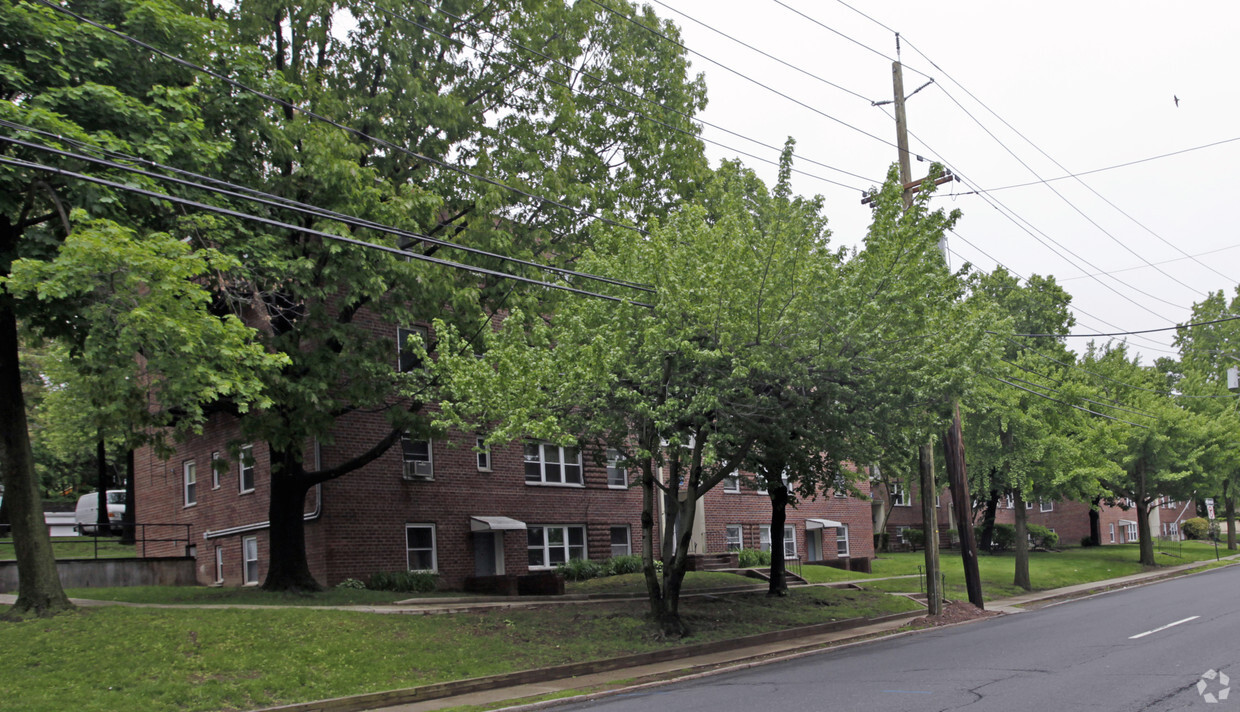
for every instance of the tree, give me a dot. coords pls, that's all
(1160, 456)
(1206, 354)
(103, 272)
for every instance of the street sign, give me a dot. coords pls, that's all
(1210, 508)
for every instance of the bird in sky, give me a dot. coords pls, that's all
(1177, 100)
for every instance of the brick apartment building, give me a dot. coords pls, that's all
(443, 506)
(1068, 519)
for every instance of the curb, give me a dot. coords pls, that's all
(423, 693)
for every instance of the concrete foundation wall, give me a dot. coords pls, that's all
(112, 572)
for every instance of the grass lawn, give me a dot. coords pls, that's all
(76, 547)
(1046, 569)
(154, 659)
(205, 595)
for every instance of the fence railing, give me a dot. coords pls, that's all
(144, 534)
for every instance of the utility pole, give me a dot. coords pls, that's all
(953, 439)
(930, 527)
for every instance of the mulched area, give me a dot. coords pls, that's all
(953, 612)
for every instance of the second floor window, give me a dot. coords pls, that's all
(617, 476)
(406, 359)
(416, 456)
(899, 497)
(245, 474)
(547, 463)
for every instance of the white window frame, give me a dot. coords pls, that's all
(538, 458)
(219, 564)
(1112, 525)
(189, 481)
(628, 539)
(790, 539)
(1044, 506)
(737, 541)
(402, 335)
(249, 558)
(899, 495)
(617, 476)
(842, 550)
(546, 547)
(215, 470)
(1130, 531)
(434, 548)
(412, 466)
(246, 464)
(483, 453)
(1010, 502)
(902, 535)
(732, 483)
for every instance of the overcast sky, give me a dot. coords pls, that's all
(1091, 84)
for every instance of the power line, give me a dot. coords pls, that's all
(1100, 170)
(308, 231)
(603, 82)
(332, 122)
(240, 192)
(1174, 259)
(1117, 405)
(764, 53)
(1131, 333)
(1062, 168)
(742, 75)
(1056, 400)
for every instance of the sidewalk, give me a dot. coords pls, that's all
(653, 673)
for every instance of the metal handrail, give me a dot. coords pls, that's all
(140, 535)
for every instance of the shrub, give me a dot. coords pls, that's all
(1003, 537)
(915, 537)
(1042, 537)
(580, 570)
(402, 581)
(1196, 528)
(1087, 540)
(351, 583)
(617, 565)
(751, 558)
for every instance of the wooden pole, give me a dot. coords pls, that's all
(934, 592)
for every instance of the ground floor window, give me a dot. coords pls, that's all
(790, 540)
(219, 564)
(550, 545)
(1112, 533)
(841, 541)
(735, 537)
(620, 542)
(1132, 532)
(420, 547)
(249, 558)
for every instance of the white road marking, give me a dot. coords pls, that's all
(1151, 632)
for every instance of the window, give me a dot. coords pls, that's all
(420, 547)
(732, 483)
(841, 541)
(899, 498)
(417, 461)
(1112, 533)
(901, 534)
(483, 451)
(552, 545)
(936, 500)
(1132, 532)
(215, 470)
(407, 360)
(249, 555)
(245, 473)
(617, 476)
(191, 483)
(219, 564)
(546, 463)
(1046, 506)
(1010, 502)
(735, 537)
(790, 540)
(620, 543)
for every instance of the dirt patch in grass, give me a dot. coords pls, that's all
(953, 612)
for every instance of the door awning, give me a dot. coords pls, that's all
(494, 524)
(812, 524)
(1126, 521)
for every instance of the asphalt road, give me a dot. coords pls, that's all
(1128, 650)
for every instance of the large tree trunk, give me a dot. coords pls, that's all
(674, 561)
(986, 539)
(1229, 509)
(103, 524)
(1095, 523)
(1143, 502)
(1022, 542)
(38, 589)
(779, 516)
(287, 567)
(654, 592)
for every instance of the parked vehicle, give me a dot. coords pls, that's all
(86, 515)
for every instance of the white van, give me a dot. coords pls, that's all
(86, 515)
